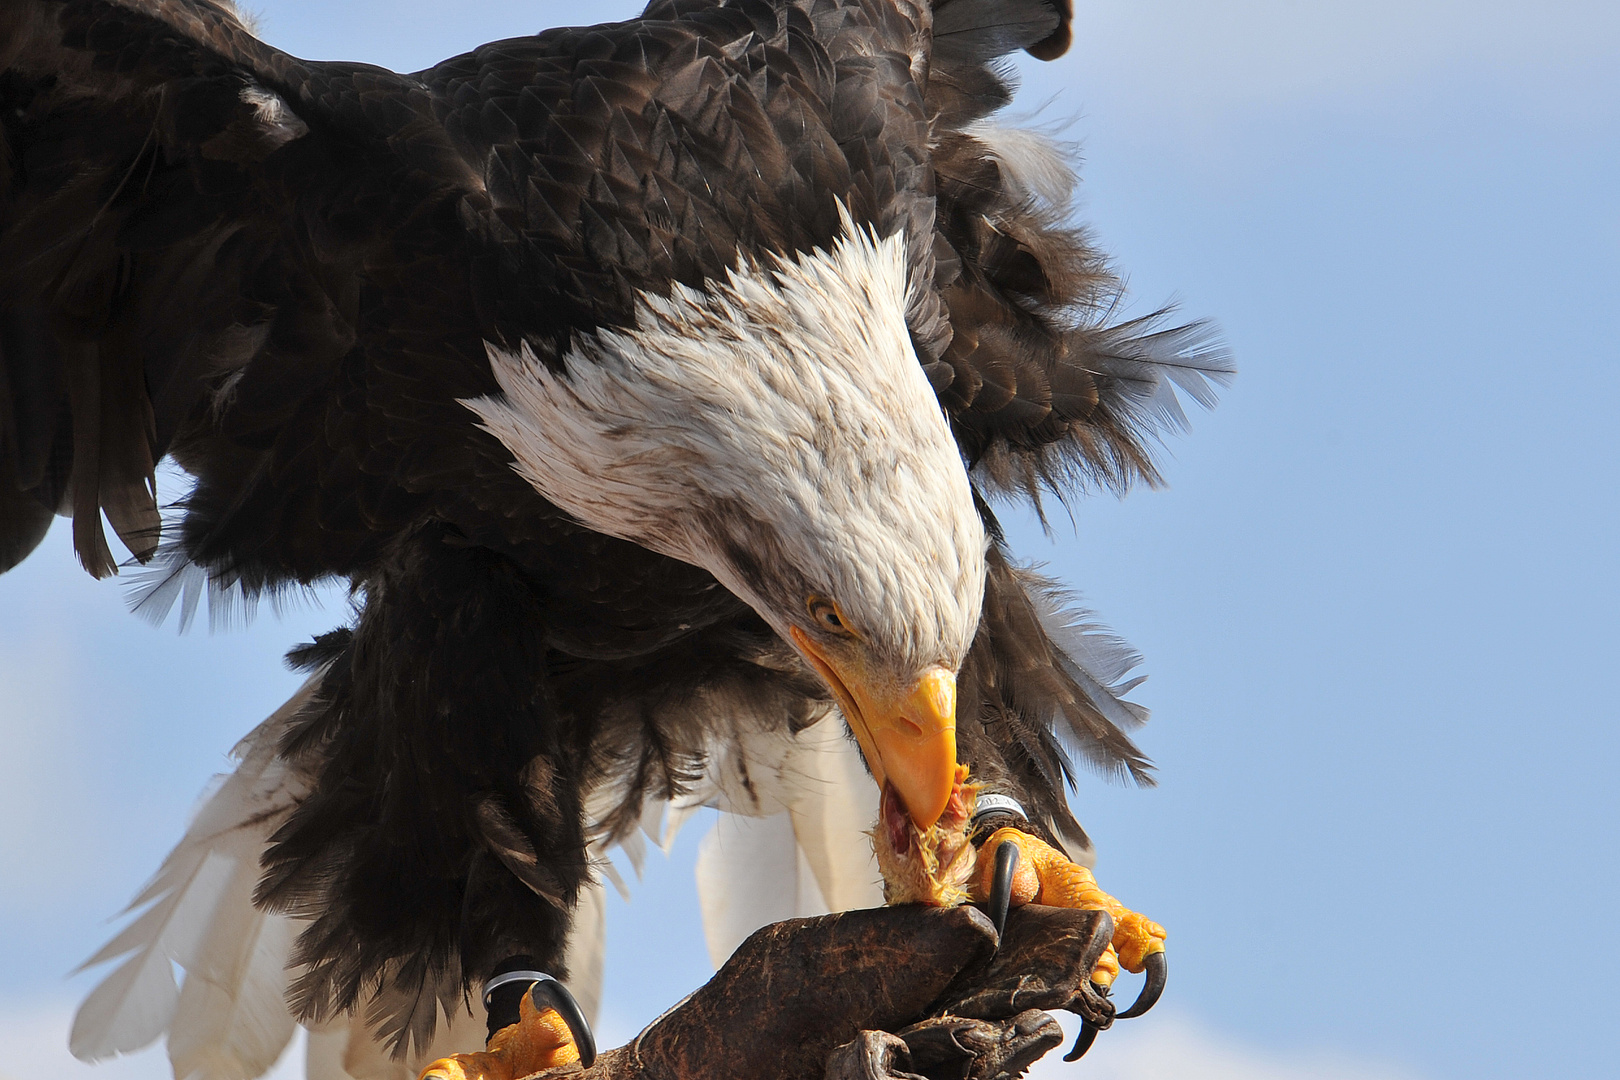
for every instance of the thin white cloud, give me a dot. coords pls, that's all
(1167, 1046)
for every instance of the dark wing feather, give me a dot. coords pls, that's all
(134, 235)
(1047, 394)
(1049, 683)
(980, 30)
(213, 250)
(1045, 391)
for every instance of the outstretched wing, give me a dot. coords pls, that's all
(1045, 388)
(205, 247)
(282, 272)
(142, 253)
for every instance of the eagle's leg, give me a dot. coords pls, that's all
(1045, 876)
(539, 1040)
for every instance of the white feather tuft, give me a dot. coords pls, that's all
(281, 124)
(200, 917)
(1036, 164)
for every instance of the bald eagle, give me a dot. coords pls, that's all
(650, 383)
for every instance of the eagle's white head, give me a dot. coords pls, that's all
(777, 430)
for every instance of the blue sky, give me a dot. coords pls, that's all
(1377, 600)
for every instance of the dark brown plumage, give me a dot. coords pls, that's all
(283, 273)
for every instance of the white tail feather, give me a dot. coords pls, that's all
(200, 918)
(232, 1023)
(751, 872)
(834, 807)
(324, 1051)
(811, 858)
(806, 806)
(129, 1008)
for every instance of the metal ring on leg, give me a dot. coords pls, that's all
(548, 993)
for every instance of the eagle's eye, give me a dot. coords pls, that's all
(825, 614)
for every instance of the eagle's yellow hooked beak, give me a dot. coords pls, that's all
(907, 733)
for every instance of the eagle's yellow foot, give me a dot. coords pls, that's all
(540, 1040)
(1045, 876)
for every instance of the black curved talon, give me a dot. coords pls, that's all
(1088, 1030)
(1083, 1041)
(1149, 997)
(550, 992)
(506, 989)
(1001, 887)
